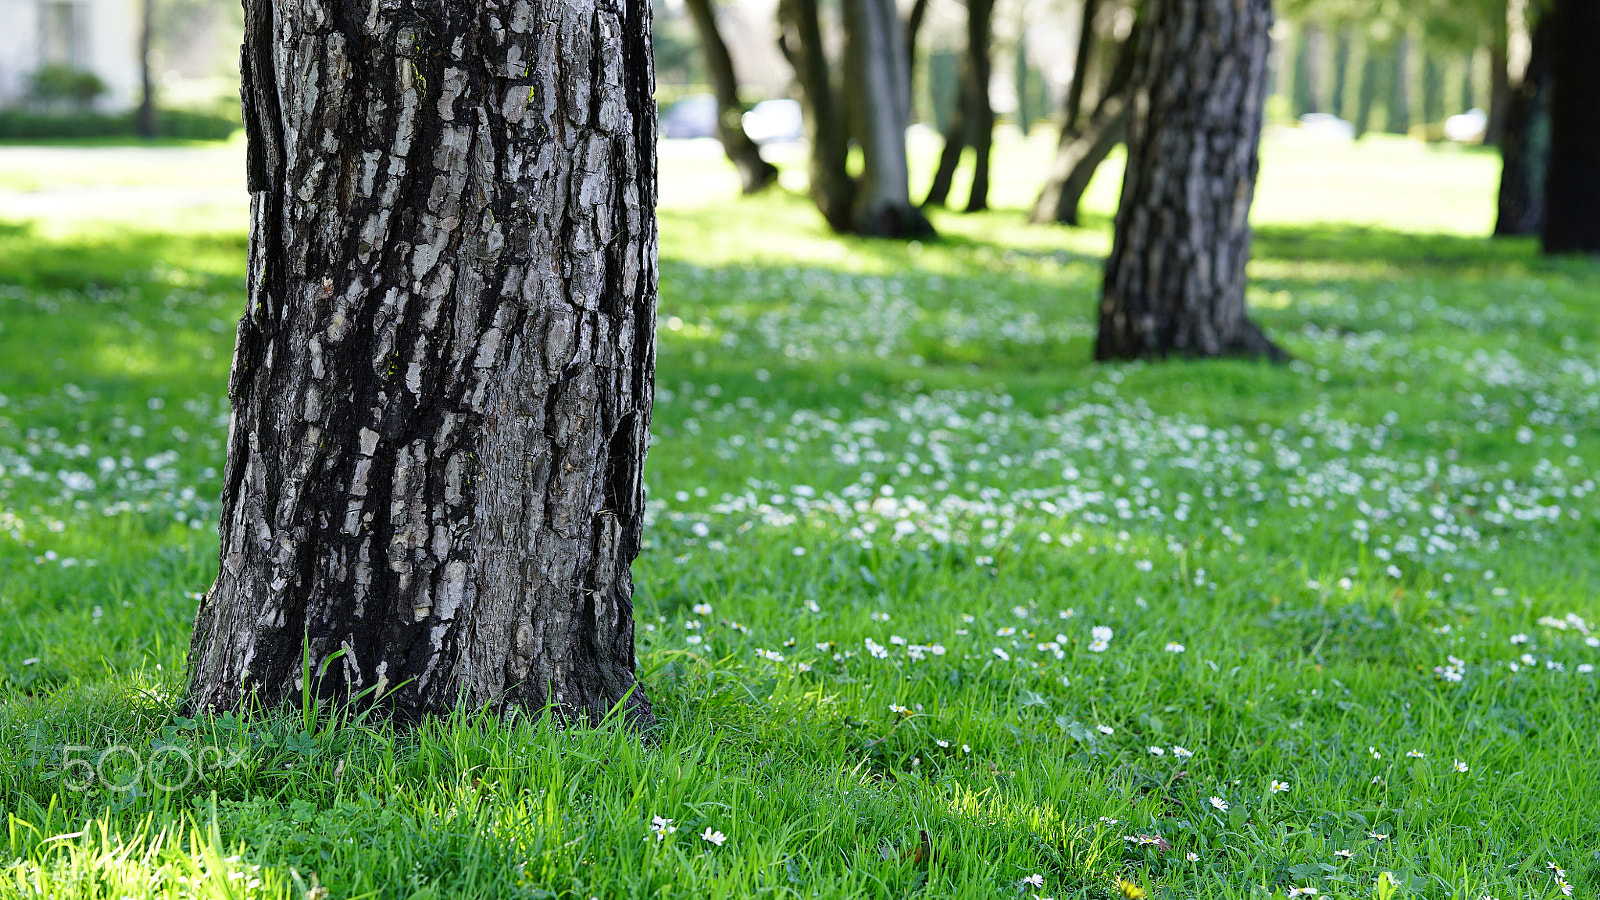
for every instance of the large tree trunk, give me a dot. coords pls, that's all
(755, 173)
(441, 388)
(1572, 185)
(875, 48)
(1175, 279)
(1525, 142)
(831, 187)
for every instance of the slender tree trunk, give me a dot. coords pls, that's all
(914, 18)
(1572, 187)
(1341, 72)
(1499, 94)
(1175, 280)
(1080, 68)
(1084, 148)
(1367, 90)
(145, 119)
(832, 189)
(875, 48)
(1399, 118)
(1308, 70)
(972, 124)
(441, 387)
(1525, 142)
(1432, 89)
(755, 173)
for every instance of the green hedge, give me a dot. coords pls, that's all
(171, 123)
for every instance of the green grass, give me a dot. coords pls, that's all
(891, 501)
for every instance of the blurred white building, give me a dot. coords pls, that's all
(98, 36)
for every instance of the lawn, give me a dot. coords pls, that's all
(930, 605)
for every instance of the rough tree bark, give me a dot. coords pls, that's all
(755, 173)
(1175, 279)
(1085, 145)
(441, 386)
(1525, 141)
(972, 124)
(1572, 182)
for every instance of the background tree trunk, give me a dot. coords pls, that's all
(145, 119)
(1399, 118)
(1175, 279)
(831, 187)
(972, 124)
(1525, 142)
(755, 173)
(441, 388)
(1572, 185)
(1367, 90)
(1084, 147)
(875, 57)
(1341, 71)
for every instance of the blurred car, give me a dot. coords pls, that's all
(1468, 126)
(774, 121)
(695, 116)
(1327, 126)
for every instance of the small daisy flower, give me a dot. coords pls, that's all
(1180, 752)
(1035, 880)
(1343, 854)
(1157, 751)
(1173, 647)
(1101, 633)
(1415, 754)
(1098, 646)
(1459, 766)
(1279, 787)
(1378, 835)
(1564, 887)
(1105, 729)
(1001, 654)
(1373, 751)
(713, 837)
(1303, 892)
(662, 827)
(897, 709)
(1192, 856)
(702, 609)
(1219, 804)
(1560, 872)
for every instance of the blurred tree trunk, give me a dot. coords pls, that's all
(755, 173)
(1367, 90)
(1175, 280)
(145, 119)
(875, 48)
(1341, 72)
(873, 101)
(1572, 185)
(914, 18)
(1525, 142)
(1085, 146)
(1080, 68)
(831, 187)
(1499, 94)
(972, 125)
(441, 387)
(1308, 70)
(1399, 119)
(1432, 88)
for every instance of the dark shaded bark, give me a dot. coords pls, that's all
(1175, 280)
(145, 119)
(441, 386)
(831, 187)
(972, 124)
(1083, 148)
(1572, 183)
(755, 173)
(1432, 88)
(1525, 142)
